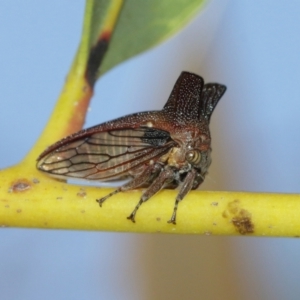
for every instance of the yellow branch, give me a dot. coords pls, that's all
(35, 200)
(112, 16)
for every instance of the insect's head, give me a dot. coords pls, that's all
(197, 151)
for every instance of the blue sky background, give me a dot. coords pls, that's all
(252, 47)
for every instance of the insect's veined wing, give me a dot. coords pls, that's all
(105, 155)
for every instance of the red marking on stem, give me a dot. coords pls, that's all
(105, 36)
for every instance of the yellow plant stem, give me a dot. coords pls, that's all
(112, 16)
(34, 200)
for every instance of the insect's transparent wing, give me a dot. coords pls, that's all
(106, 155)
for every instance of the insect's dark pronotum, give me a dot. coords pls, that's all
(157, 149)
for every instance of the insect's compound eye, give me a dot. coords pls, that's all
(193, 157)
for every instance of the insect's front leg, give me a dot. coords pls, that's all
(165, 175)
(185, 187)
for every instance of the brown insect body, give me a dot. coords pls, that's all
(157, 149)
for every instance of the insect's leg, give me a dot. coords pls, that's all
(184, 189)
(134, 183)
(101, 200)
(156, 185)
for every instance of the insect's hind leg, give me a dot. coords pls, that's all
(134, 183)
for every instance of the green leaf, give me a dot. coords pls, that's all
(143, 24)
